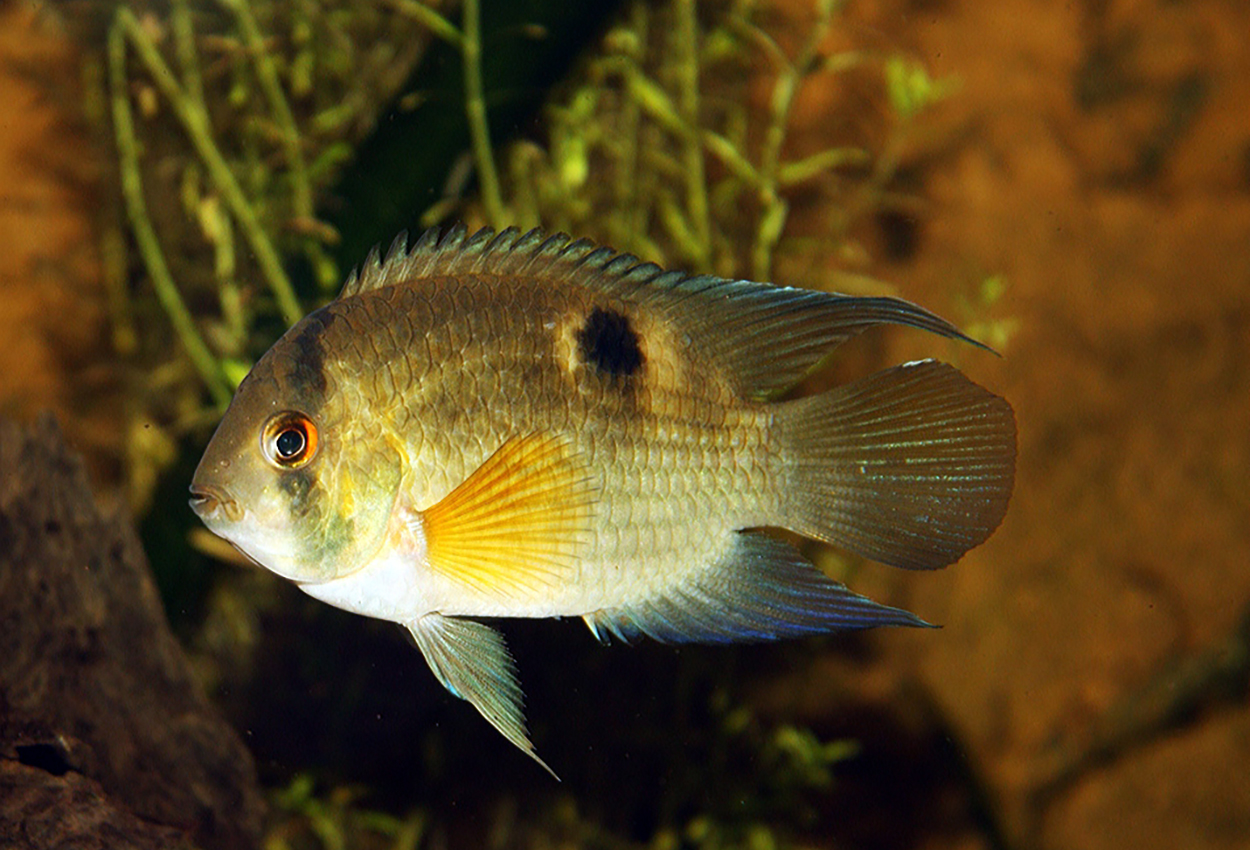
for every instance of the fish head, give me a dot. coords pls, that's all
(296, 477)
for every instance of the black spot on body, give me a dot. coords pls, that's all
(609, 342)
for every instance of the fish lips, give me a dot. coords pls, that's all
(213, 505)
(226, 517)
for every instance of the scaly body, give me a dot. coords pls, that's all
(677, 462)
(515, 425)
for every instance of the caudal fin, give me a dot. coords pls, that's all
(912, 466)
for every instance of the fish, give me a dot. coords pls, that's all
(516, 424)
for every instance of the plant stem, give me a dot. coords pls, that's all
(184, 44)
(145, 236)
(432, 20)
(685, 42)
(267, 74)
(475, 110)
(632, 220)
(201, 138)
(789, 80)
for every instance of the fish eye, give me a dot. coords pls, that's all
(289, 439)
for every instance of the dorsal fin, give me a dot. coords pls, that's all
(766, 337)
(455, 252)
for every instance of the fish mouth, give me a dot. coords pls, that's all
(209, 503)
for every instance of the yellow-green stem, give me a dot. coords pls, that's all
(685, 41)
(145, 235)
(627, 171)
(219, 172)
(432, 20)
(188, 62)
(475, 110)
(267, 74)
(789, 78)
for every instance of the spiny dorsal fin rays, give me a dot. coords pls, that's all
(454, 251)
(472, 661)
(766, 338)
(518, 523)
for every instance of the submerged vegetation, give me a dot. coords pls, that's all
(230, 120)
(668, 147)
(793, 767)
(672, 140)
(230, 123)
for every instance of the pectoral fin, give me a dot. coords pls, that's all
(472, 662)
(517, 525)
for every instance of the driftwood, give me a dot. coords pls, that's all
(106, 740)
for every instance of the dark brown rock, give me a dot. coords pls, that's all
(105, 738)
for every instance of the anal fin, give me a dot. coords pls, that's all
(762, 589)
(472, 661)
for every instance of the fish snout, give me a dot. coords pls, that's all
(210, 503)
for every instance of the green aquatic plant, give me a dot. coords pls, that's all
(240, 100)
(188, 105)
(467, 40)
(978, 308)
(686, 170)
(304, 818)
(141, 223)
(229, 119)
(755, 810)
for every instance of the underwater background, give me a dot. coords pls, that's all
(179, 181)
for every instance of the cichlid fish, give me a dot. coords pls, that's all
(521, 425)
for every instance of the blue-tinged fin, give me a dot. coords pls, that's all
(472, 661)
(765, 337)
(761, 589)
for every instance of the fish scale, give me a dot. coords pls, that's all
(520, 425)
(676, 470)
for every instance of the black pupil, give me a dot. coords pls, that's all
(289, 443)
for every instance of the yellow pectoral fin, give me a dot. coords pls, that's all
(519, 522)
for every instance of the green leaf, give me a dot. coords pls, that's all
(910, 88)
(791, 173)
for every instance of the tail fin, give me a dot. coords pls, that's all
(912, 466)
